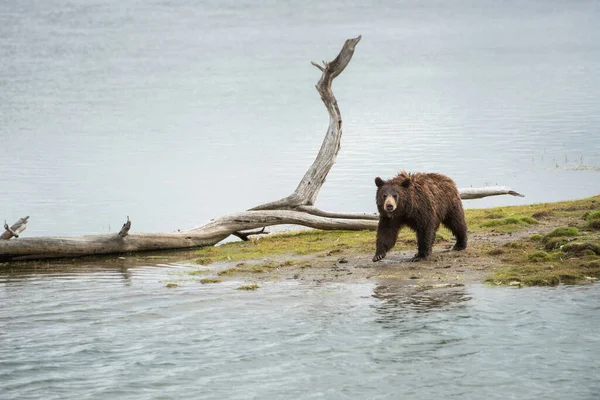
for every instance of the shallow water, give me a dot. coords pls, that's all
(120, 333)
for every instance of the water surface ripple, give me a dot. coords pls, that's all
(119, 333)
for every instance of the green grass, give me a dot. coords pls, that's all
(477, 218)
(293, 243)
(566, 255)
(509, 222)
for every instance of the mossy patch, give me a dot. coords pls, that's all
(227, 272)
(242, 268)
(538, 256)
(548, 275)
(542, 215)
(581, 248)
(495, 213)
(563, 231)
(198, 272)
(495, 252)
(210, 280)
(555, 243)
(566, 260)
(536, 237)
(515, 245)
(252, 286)
(509, 224)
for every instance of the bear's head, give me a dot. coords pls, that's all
(393, 196)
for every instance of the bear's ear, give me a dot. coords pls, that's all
(379, 182)
(406, 182)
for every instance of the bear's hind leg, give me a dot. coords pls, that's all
(387, 234)
(455, 221)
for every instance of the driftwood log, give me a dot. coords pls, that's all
(296, 209)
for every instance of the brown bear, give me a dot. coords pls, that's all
(422, 202)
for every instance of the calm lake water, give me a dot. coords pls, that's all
(177, 112)
(106, 333)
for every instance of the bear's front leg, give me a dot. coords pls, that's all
(425, 239)
(387, 233)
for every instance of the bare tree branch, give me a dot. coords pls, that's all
(125, 229)
(245, 236)
(15, 229)
(308, 188)
(478, 193)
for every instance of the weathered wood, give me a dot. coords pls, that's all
(15, 229)
(58, 247)
(206, 235)
(316, 211)
(478, 193)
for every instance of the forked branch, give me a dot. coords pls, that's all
(308, 188)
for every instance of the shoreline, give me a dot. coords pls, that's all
(531, 245)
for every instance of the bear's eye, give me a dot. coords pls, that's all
(396, 197)
(384, 196)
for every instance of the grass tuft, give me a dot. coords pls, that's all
(507, 221)
(563, 231)
(293, 243)
(210, 280)
(496, 252)
(198, 272)
(579, 248)
(593, 220)
(539, 256)
(252, 286)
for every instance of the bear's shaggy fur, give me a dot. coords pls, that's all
(422, 202)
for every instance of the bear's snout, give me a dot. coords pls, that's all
(390, 204)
